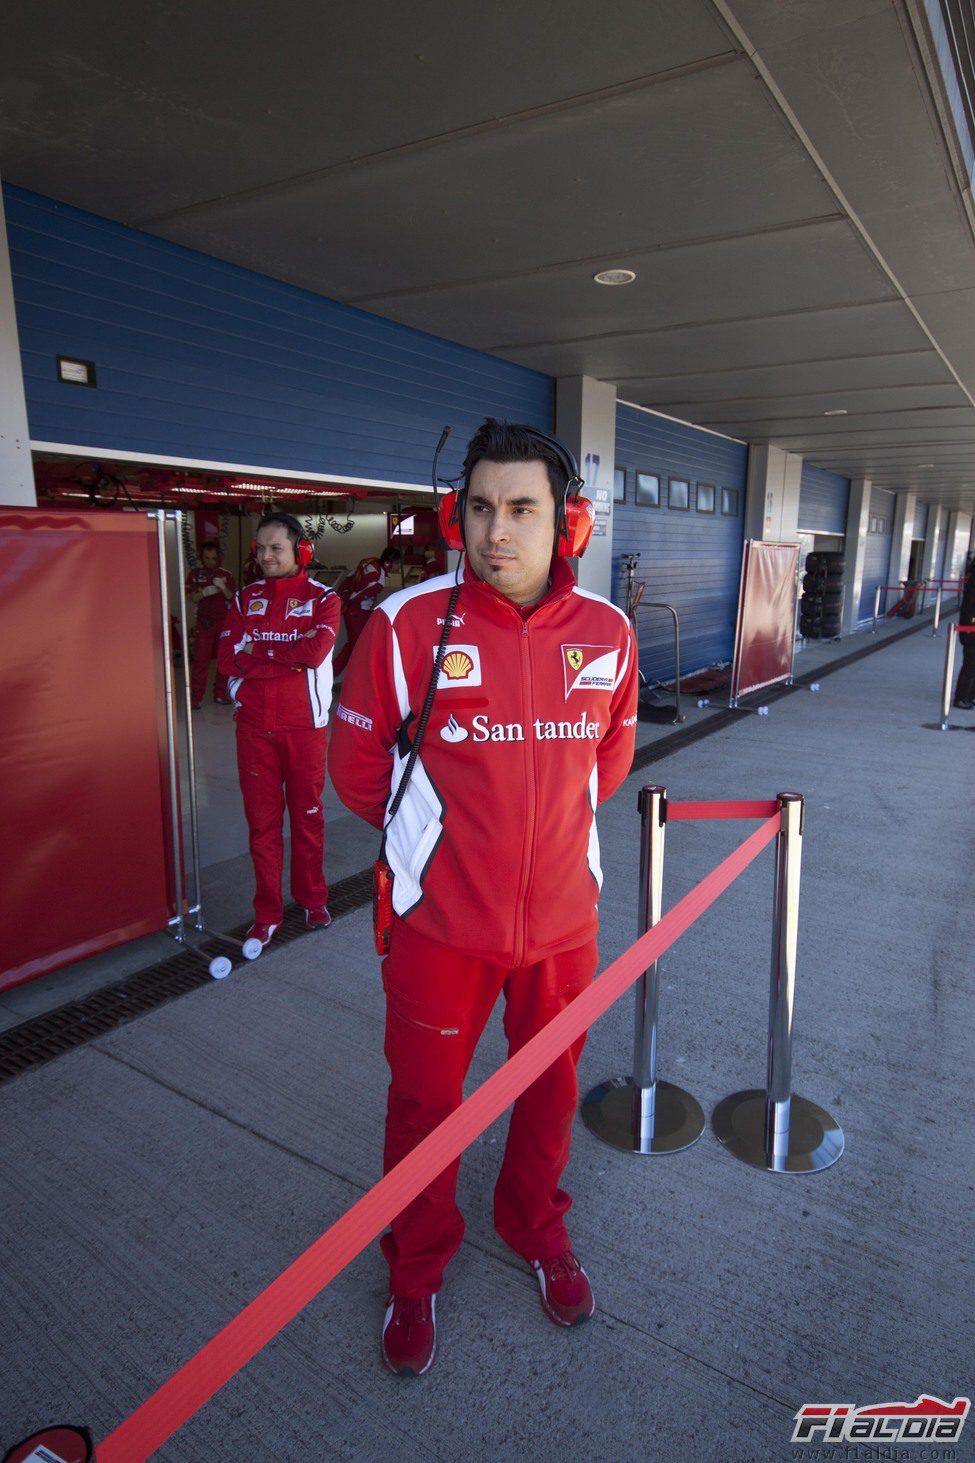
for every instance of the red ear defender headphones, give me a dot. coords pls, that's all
(304, 548)
(575, 515)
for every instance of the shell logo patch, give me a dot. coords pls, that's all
(589, 667)
(461, 667)
(299, 607)
(457, 666)
(257, 607)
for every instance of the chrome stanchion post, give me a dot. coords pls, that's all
(197, 906)
(176, 831)
(678, 717)
(876, 608)
(949, 676)
(937, 610)
(774, 1129)
(641, 1114)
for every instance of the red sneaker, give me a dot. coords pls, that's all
(567, 1296)
(410, 1335)
(257, 937)
(318, 919)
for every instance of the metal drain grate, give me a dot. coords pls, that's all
(40, 1040)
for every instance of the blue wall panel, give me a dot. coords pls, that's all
(823, 500)
(201, 359)
(876, 559)
(920, 520)
(689, 559)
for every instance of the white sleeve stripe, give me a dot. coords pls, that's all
(399, 680)
(392, 606)
(601, 599)
(626, 661)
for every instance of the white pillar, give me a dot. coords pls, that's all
(951, 552)
(772, 494)
(959, 533)
(585, 419)
(16, 469)
(932, 538)
(900, 543)
(857, 523)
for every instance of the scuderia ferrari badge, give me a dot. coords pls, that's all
(589, 667)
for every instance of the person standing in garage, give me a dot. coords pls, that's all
(276, 650)
(359, 594)
(211, 588)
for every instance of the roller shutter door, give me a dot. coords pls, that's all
(690, 556)
(920, 521)
(824, 498)
(876, 559)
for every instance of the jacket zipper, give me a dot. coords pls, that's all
(521, 937)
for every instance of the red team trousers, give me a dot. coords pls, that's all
(437, 1005)
(274, 766)
(204, 650)
(356, 620)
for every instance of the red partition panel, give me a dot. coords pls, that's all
(766, 616)
(83, 805)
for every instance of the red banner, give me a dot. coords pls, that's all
(83, 861)
(766, 617)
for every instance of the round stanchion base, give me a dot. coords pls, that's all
(815, 1139)
(608, 1112)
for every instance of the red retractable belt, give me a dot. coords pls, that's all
(693, 812)
(221, 1358)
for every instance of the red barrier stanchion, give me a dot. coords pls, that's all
(773, 1129)
(640, 1113)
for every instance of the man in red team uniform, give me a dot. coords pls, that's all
(210, 587)
(493, 849)
(358, 594)
(276, 649)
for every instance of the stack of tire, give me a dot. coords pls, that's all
(820, 612)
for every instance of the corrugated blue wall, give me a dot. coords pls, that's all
(876, 559)
(823, 501)
(201, 359)
(920, 520)
(691, 560)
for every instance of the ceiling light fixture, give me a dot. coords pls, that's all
(615, 276)
(838, 411)
(925, 464)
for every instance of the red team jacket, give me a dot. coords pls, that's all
(211, 610)
(363, 585)
(494, 848)
(291, 624)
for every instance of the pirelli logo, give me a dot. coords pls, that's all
(354, 718)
